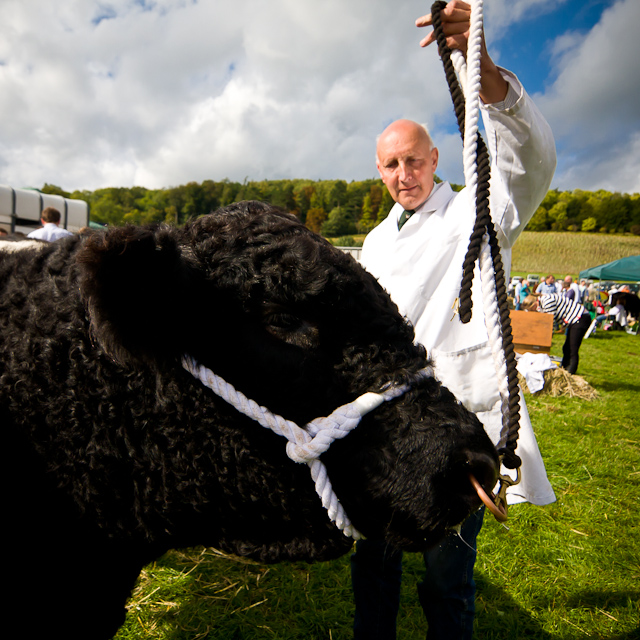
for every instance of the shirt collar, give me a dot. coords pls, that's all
(439, 196)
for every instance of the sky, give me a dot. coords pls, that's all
(116, 93)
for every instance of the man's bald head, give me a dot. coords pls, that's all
(406, 128)
(407, 160)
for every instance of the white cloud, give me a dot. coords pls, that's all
(593, 104)
(618, 171)
(98, 93)
(159, 93)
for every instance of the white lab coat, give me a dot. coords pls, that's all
(421, 268)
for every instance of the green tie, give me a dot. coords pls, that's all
(404, 216)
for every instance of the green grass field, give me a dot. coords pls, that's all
(567, 571)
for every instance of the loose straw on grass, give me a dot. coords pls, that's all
(559, 382)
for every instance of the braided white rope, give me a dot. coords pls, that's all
(472, 98)
(305, 445)
(469, 74)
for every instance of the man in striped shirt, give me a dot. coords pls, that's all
(570, 314)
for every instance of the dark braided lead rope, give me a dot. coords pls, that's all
(484, 224)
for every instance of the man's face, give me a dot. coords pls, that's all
(406, 163)
(550, 280)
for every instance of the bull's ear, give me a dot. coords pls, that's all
(135, 282)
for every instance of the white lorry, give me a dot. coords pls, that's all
(20, 210)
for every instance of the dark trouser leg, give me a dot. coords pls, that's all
(447, 594)
(376, 576)
(571, 347)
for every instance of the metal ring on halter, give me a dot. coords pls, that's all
(499, 511)
(505, 482)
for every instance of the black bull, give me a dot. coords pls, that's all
(116, 454)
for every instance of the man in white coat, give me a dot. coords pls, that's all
(417, 254)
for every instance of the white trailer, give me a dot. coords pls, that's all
(20, 210)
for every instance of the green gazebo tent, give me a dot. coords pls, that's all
(624, 269)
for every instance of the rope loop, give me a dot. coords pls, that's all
(308, 444)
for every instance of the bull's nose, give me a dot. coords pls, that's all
(484, 468)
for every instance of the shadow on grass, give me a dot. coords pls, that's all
(213, 598)
(632, 635)
(608, 600)
(223, 600)
(499, 616)
(617, 385)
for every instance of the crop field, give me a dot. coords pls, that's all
(562, 254)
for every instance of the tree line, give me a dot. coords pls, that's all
(336, 207)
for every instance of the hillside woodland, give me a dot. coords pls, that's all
(336, 207)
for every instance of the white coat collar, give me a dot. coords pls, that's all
(438, 198)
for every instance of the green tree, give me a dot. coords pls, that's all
(540, 220)
(616, 213)
(317, 201)
(52, 189)
(367, 220)
(337, 195)
(229, 192)
(338, 223)
(385, 205)
(171, 215)
(303, 200)
(281, 195)
(359, 203)
(354, 198)
(107, 206)
(315, 217)
(558, 216)
(375, 195)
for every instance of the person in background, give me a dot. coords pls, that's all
(569, 313)
(567, 291)
(50, 231)
(584, 295)
(516, 292)
(524, 292)
(593, 292)
(548, 285)
(618, 315)
(574, 287)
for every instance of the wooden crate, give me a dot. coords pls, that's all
(532, 331)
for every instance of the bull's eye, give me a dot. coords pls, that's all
(282, 322)
(286, 326)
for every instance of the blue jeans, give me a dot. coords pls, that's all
(447, 593)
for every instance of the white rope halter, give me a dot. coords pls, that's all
(469, 75)
(305, 445)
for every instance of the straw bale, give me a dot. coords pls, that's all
(559, 382)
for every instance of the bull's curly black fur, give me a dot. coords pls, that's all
(115, 454)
